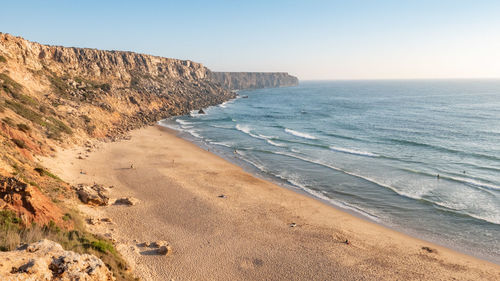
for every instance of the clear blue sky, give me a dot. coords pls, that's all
(311, 39)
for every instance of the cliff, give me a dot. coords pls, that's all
(54, 96)
(254, 80)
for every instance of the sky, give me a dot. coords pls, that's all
(314, 40)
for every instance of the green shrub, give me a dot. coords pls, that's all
(66, 217)
(8, 121)
(23, 127)
(102, 246)
(54, 126)
(3, 59)
(25, 99)
(9, 85)
(59, 85)
(85, 118)
(19, 143)
(43, 172)
(105, 87)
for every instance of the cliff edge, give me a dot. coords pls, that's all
(254, 80)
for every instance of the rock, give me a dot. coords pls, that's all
(201, 111)
(106, 219)
(92, 195)
(131, 201)
(164, 250)
(47, 260)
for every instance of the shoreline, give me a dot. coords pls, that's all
(249, 168)
(248, 234)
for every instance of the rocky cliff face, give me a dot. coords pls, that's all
(54, 96)
(254, 80)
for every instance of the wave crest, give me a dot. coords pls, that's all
(300, 134)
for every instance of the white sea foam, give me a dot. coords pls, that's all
(183, 122)
(353, 151)
(417, 194)
(221, 144)
(300, 134)
(194, 133)
(322, 196)
(224, 104)
(275, 143)
(248, 130)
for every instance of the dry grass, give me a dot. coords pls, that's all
(13, 232)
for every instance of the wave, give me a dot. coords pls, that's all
(300, 134)
(248, 130)
(442, 149)
(399, 192)
(224, 104)
(269, 139)
(322, 196)
(221, 144)
(352, 151)
(275, 143)
(467, 181)
(194, 133)
(183, 122)
(221, 127)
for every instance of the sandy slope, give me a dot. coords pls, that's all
(247, 234)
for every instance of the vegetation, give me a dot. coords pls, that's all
(23, 127)
(9, 85)
(3, 59)
(13, 233)
(54, 126)
(19, 143)
(42, 172)
(105, 87)
(8, 121)
(59, 86)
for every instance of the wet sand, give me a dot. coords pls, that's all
(256, 231)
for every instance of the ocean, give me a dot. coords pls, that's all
(419, 156)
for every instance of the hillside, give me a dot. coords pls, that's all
(54, 96)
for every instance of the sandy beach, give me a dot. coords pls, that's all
(255, 231)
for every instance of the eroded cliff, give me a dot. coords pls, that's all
(254, 80)
(54, 96)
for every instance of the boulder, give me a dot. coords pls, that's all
(131, 201)
(201, 111)
(47, 260)
(164, 250)
(92, 195)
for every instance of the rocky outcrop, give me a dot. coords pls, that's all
(47, 260)
(254, 80)
(28, 201)
(54, 96)
(95, 195)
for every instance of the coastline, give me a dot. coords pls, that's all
(246, 234)
(251, 169)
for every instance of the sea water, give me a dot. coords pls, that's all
(419, 156)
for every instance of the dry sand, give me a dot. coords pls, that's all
(246, 235)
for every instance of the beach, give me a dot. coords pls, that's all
(226, 224)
